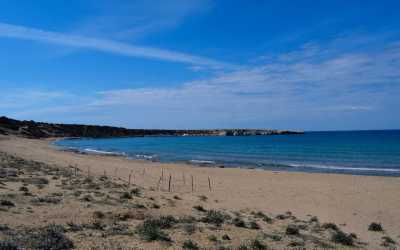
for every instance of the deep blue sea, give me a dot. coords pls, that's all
(347, 152)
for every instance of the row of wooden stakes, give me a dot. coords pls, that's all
(160, 180)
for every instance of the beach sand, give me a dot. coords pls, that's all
(352, 202)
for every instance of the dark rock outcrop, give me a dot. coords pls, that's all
(33, 129)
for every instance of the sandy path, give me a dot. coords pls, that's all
(355, 201)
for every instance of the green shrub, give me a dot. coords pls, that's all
(190, 245)
(9, 245)
(314, 219)
(203, 198)
(136, 192)
(263, 216)
(238, 222)
(166, 221)
(212, 238)
(7, 203)
(253, 245)
(189, 228)
(150, 230)
(387, 241)
(226, 237)
(98, 215)
(292, 230)
(342, 238)
(200, 208)
(330, 225)
(215, 217)
(126, 195)
(50, 237)
(376, 227)
(254, 225)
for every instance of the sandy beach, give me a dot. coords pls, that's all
(353, 202)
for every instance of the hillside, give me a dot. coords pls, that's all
(32, 129)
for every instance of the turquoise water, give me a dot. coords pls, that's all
(352, 152)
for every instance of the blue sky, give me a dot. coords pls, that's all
(312, 65)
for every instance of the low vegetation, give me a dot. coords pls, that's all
(113, 215)
(376, 227)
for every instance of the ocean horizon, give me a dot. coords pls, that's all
(363, 152)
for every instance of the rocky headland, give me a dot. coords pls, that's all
(32, 129)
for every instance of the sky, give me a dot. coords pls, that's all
(202, 64)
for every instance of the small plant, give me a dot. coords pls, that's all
(387, 241)
(215, 217)
(47, 199)
(330, 225)
(23, 189)
(167, 221)
(126, 195)
(238, 222)
(353, 235)
(226, 237)
(98, 215)
(282, 217)
(190, 245)
(48, 237)
(7, 203)
(3, 227)
(8, 245)
(187, 219)
(376, 227)
(189, 228)
(87, 198)
(254, 225)
(314, 219)
(264, 217)
(200, 208)
(275, 237)
(213, 238)
(253, 245)
(136, 192)
(155, 206)
(342, 238)
(292, 230)
(150, 230)
(203, 198)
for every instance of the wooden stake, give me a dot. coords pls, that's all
(184, 179)
(209, 183)
(192, 183)
(129, 181)
(169, 183)
(158, 184)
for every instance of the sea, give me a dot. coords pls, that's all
(344, 152)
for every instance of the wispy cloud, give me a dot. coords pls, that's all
(315, 85)
(110, 46)
(136, 19)
(24, 98)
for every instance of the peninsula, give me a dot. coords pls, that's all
(32, 129)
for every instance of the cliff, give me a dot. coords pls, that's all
(33, 129)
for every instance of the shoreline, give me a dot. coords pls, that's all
(274, 167)
(351, 201)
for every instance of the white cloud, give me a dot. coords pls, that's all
(302, 88)
(110, 46)
(20, 98)
(135, 19)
